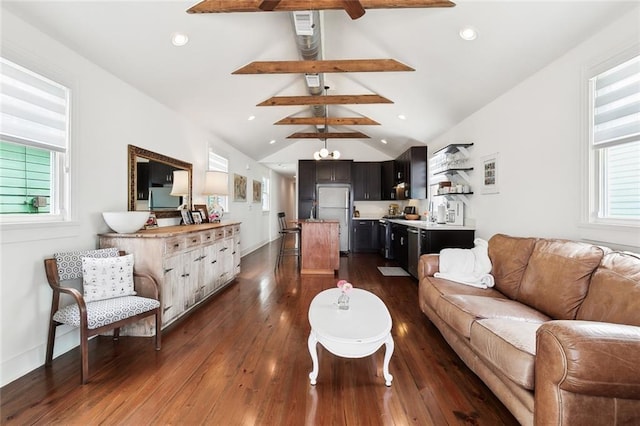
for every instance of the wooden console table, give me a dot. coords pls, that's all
(320, 247)
(190, 263)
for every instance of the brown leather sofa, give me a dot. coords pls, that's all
(557, 339)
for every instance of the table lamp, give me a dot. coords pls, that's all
(180, 187)
(216, 183)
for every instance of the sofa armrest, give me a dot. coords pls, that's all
(585, 358)
(428, 265)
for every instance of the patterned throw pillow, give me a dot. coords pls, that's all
(106, 278)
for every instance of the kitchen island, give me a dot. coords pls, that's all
(319, 246)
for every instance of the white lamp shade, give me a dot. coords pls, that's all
(316, 155)
(216, 183)
(336, 154)
(180, 183)
(324, 152)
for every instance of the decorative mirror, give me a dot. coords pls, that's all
(151, 182)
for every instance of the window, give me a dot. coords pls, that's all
(615, 143)
(265, 194)
(218, 163)
(34, 136)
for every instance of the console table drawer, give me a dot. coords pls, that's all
(174, 245)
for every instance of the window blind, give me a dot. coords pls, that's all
(617, 104)
(33, 109)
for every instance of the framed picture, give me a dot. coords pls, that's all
(490, 174)
(204, 212)
(186, 217)
(257, 191)
(196, 216)
(239, 188)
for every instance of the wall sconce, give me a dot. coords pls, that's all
(217, 184)
(180, 187)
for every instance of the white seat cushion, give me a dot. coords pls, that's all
(108, 311)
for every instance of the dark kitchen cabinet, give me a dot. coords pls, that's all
(364, 236)
(399, 235)
(366, 181)
(160, 174)
(333, 171)
(387, 180)
(411, 173)
(306, 187)
(432, 241)
(142, 183)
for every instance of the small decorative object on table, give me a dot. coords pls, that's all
(343, 300)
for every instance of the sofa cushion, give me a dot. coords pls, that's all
(614, 292)
(460, 311)
(509, 257)
(557, 277)
(432, 289)
(509, 346)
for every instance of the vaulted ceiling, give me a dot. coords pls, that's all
(452, 77)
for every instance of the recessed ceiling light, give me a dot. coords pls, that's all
(402, 117)
(468, 33)
(384, 141)
(251, 117)
(272, 141)
(179, 39)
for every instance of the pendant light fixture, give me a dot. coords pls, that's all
(324, 153)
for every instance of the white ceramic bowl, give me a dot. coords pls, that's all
(125, 222)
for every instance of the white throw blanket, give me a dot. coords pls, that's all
(467, 266)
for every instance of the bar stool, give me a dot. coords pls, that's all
(284, 232)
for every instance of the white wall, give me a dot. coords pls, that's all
(538, 129)
(108, 114)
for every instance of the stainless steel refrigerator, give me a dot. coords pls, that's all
(334, 202)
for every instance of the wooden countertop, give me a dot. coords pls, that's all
(170, 231)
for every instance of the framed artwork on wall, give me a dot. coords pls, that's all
(239, 188)
(257, 191)
(490, 174)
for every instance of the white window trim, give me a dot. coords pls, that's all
(611, 231)
(18, 228)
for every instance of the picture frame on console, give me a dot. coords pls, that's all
(186, 217)
(204, 212)
(196, 216)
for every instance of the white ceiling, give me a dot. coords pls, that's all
(453, 78)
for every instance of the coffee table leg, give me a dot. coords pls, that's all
(387, 357)
(312, 343)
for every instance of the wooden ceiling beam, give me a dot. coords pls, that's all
(224, 6)
(325, 100)
(268, 5)
(328, 135)
(353, 8)
(330, 121)
(326, 66)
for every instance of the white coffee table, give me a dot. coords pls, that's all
(354, 333)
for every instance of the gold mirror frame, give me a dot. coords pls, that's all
(133, 153)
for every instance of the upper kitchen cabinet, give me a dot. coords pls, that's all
(306, 187)
(366, 181)
(388, 180)
(307, 180)
(411, 173)
(333, 171)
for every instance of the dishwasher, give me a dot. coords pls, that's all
(413, 242)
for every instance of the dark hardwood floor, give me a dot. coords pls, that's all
(242, 359)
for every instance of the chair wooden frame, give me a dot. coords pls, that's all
(51, 269)
(284, 231)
